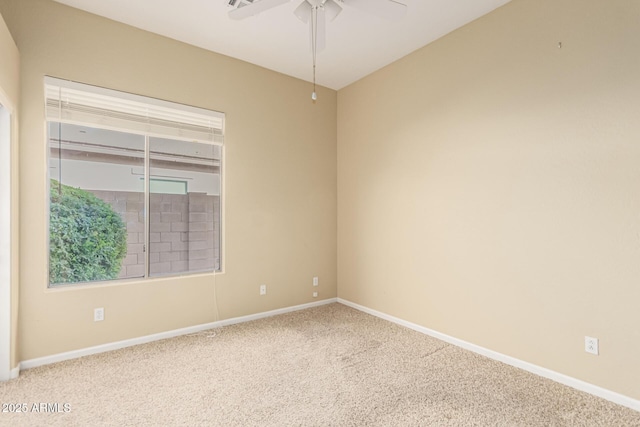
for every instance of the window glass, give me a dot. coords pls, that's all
(96, 209)
(167, 186)
(184, 227)
(135, 185)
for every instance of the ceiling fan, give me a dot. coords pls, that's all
(315, 13)
(324, 9)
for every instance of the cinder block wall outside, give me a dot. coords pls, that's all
(183, 236)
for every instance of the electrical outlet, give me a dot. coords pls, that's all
(315, 295)
(263, 289)
(315, 281)
(591, 345)
(98, 314)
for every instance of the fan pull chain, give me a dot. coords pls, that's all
(313, 94)
(314, 46)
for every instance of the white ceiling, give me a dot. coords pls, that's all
(357, 43)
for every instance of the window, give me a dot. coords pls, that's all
(167, 186)
(135, 185)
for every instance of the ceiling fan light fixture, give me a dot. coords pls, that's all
(316, 13)
(303, 12)
(332, 9)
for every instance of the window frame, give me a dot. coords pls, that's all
(147, 179)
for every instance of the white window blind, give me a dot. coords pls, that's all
(81, 104)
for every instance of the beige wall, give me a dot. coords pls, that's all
(280, 180)
(10, 64)
(10, 87)
(488, 187)
(487, 184)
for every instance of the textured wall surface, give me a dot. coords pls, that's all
(488, 187)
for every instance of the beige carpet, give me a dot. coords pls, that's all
(326, 366)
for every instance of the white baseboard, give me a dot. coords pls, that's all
(529, 367)
(74, 354)
(612, 396)
(262, 315)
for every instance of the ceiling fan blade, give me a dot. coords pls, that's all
(387, 9)
(332, 9)
(303, 12)
(318, 28)
(254, 8)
